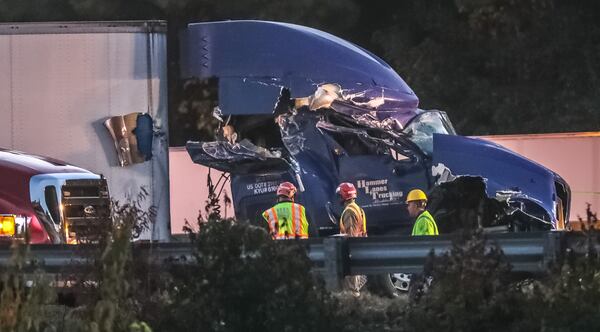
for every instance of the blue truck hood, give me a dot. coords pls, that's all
(503, 169)
(254, 60)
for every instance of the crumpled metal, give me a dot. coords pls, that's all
(373, 107)
(292, 133)
(133, 144)
(224, 155)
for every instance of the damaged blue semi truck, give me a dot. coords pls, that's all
(300, 105)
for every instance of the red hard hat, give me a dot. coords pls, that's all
(286, 189)
(346, 190)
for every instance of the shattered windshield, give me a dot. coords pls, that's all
(421, 129)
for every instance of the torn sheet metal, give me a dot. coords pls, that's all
(292, 134)
(228, 157)
(442, 174)
(132, 135)
(462, 202)
(503, 168)
(373, 107)
(382, 102)
(530, 186)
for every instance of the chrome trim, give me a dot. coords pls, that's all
(89, 210)
(38, 183)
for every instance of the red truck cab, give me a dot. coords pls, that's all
(48, 201)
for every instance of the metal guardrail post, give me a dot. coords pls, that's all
(336, 259)
(553, 248)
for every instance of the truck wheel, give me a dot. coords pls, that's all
(391, 284)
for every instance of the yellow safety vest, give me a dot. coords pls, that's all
(358, 211)
(287, 220)
(425, 225)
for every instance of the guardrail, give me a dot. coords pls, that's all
(55, 258)
(337, 257)
(526, 252)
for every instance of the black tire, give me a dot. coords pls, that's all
(389, 285)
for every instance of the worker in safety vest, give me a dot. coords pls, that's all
(424, 224)
(287, 220)
(353, 222)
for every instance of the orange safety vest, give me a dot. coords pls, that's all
(359, 212)
(287, 220)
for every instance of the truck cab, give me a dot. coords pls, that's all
(47, 201)
(321, 111)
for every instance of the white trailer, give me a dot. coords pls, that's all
(60, 81)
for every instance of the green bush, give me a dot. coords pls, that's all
(23, 295)
(369, 312)
(241, 280)
(108, 295)
(568, 300)
(471, 291)
(112, 293)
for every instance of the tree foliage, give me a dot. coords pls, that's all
(501, 66)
